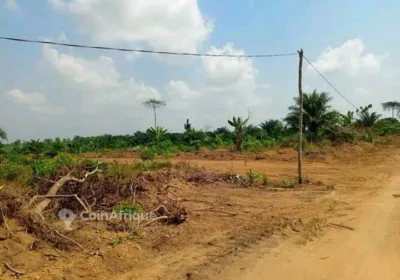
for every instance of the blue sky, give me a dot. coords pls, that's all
(48, 92)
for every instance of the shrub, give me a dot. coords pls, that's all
(43, 167)
(368, 137)
(253, 145)
(286, 184)
(265, 180)
(341, 134)
(292, 142)
(146, 154)
(253, 176)
(15, 172)
(128, 207)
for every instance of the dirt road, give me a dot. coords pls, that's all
(371, 251)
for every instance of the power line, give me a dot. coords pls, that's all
(142, 51)
(329, 83)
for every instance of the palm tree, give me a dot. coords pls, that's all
(392, 106)
(3, 135)
(187, 126)
(274, 128)
(34, 146)
(317, 113)
(240, 126)
(366, 118)
(157, 134)
(348, 119)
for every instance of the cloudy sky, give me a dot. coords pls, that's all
(48, 91)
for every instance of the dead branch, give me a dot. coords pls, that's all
(61, 255)
(227, 252)
(154, 220)
(32, 200)
(57, 186)
(13, 269)
(217, 211)
(69, 239)
(6, 224)
(162, 207)
(342, 226)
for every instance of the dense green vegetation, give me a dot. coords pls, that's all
(321, 122)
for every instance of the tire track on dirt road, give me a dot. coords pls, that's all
(371, 251)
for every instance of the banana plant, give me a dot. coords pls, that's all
(240, 126)
(157, 134)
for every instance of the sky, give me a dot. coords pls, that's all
(53, 91)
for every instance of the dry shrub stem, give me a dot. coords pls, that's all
(70, 239)
(6, 224)
(18, 272)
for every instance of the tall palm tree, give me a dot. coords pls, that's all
(240, 126)
(366, 118)
(392, 106)
(317, 113)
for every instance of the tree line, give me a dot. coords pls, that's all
(320, 121)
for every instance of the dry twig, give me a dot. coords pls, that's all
(154, 220)
(6, 224)
(73, 241)
(218, 211)
(342, 226)
(13, 269)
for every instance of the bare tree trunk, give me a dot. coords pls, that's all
(53, 191)
(155, 118)
(300, 146)
(41, 206)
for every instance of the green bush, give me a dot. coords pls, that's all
(253, 176)
(146, 154)
(15, 172)
(341, 134)
(265, 180)
(253, 145)
(128, 207)
(286, 184)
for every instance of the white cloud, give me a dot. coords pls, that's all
(174, 25)
(349, 57)
(29, 99)
(97, 74)
(225, 87)
(10, 5)
(226, 71)
(98, 81)
(363, 91)
(57, 4)
(233, 81)
(35, 102)
(180, 89)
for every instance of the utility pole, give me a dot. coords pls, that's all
(300, 146)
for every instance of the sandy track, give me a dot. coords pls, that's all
(371, 251)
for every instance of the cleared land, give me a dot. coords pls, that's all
(235, 231)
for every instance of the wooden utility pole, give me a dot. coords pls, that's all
(300, 146)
